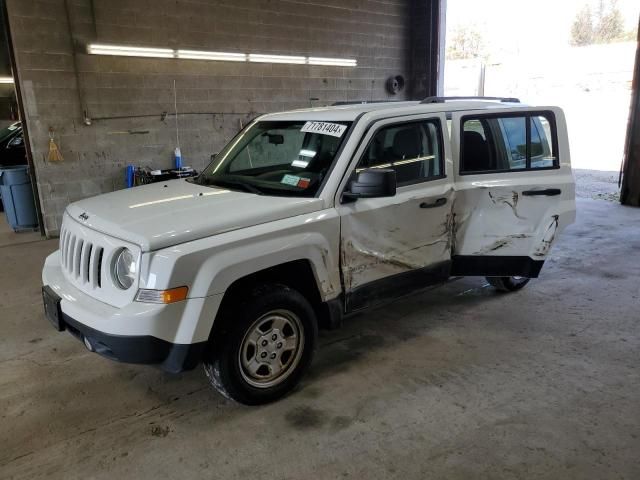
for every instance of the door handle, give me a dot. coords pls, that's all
(549, 192)
(438, 203)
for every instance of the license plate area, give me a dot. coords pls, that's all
(52, 308)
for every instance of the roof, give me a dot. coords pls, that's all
(352, 111)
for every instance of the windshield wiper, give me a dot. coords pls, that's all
(247, 187)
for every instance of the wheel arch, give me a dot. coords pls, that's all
(298, 275)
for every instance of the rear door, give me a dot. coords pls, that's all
(515, 189)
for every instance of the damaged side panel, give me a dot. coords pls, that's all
(399, 237)
(499, 220)
(492, 221)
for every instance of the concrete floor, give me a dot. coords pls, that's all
(459, 382)
(9, 237)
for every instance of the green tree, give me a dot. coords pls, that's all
(606, 26)
(465, 42)
(582, 30)
(610, 25)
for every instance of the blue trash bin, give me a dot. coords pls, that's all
(17, 198)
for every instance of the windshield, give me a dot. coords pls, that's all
(277, 158)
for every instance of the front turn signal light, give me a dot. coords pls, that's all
(162, 296)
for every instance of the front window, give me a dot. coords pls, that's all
(286, 158)
(412, 149)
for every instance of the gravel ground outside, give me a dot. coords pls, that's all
(596, 184)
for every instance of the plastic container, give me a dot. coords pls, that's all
(17, 198)
(14, 175)
(130, 175)
(177, 157)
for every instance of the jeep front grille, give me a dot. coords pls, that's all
(81, 259)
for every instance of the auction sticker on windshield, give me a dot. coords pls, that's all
(296, 181)
(324, 128)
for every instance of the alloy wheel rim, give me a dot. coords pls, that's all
(271, 349)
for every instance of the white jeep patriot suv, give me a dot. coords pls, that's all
(303, 218)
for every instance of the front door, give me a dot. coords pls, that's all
(515, 189)
(391, 246)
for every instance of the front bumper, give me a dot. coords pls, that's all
(171, 336)
(170, 357)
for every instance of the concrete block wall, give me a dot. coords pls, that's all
(125, 97)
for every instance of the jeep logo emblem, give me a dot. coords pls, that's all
(83, 216)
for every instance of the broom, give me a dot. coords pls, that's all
(54, 152)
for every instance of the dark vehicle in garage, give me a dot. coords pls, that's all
(12, 149)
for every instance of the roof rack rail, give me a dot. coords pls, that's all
(446, 99)
(364, 102)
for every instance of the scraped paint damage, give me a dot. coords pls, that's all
(326, 285)
(501, 243)
(369, 252)
(510, 200)
(450, 229)
(548, 237)
(357, 258)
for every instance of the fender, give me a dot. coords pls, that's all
(210, 265)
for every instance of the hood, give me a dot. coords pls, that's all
(169, 213)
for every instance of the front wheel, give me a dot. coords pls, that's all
(508, 284)
(264, 346)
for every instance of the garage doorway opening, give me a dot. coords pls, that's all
(577, 54)
(20, 218)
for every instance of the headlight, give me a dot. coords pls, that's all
(124, 269)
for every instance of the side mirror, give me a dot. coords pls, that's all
(372, 183)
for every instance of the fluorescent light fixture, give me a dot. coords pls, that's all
(255, 57)
(119, 50)
(222, 56)
(337, 62)
(6, 79)
(129, 51)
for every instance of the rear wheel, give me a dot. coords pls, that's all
(264, 346)
(508, 284)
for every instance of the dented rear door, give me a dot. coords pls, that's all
(391, 246)
(514, 186)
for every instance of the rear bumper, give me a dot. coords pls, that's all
(144, 349)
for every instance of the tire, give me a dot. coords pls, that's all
(264, 346)
(508, 284)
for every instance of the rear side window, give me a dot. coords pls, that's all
(508, 143)
(413, 150)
